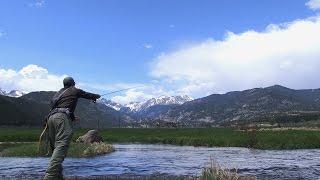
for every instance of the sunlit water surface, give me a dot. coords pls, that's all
(142, 159)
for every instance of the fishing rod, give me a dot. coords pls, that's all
(112, 92)
(120, 90)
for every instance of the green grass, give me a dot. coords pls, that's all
(194, 137)
(288, 139)
(19, 134)
(75, 150)
(222, 137)
(216, 172)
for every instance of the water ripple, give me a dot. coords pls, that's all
(142, 159)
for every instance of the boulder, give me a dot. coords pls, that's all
(90, 137)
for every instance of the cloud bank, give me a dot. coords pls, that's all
(286, 54)
(37, 3)
(142, 93)
(30, 78)
(148, 46)
(36, 78)
(313, 4)
(2, 34)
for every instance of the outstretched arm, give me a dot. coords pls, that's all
(87, 95)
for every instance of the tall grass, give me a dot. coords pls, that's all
(19, 134)
(252, 138)
(216, 172)
(97, 149)
(75, 150)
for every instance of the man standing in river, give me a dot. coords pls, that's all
(59, 124)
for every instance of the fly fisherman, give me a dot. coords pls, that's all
(59, 124)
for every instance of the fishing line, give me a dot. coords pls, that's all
(120, 90)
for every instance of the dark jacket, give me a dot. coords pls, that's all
(70, 98)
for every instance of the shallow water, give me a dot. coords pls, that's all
(142, 159)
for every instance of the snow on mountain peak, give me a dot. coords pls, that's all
(13, 93)
(134, 106)
(162, 100)
(111, 104)
(138, 106)
(2, 92)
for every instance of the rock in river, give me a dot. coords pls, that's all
(90, 137)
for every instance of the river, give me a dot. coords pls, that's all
(142, 160)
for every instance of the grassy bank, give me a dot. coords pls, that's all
(222, 137)
(75, 150)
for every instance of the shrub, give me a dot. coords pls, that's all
(216, 172)
(252, 138)
(95, 149)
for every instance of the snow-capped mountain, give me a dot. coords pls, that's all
(2, 92)
(162, 100)
(111, 104)
(13, 93)
(139, 106)
(133, 106)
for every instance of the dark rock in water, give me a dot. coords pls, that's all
(90, 137)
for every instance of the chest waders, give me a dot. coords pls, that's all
(44, 145)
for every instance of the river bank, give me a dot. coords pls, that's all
(209, 137)
(30, 149)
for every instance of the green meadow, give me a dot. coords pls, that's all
(218, 137)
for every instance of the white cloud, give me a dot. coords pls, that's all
(37, 3)
(136, 91)
(36, 78)
(131, 96)
(106, 88)
(313, 4)
(2, 34)
(30, 78)
(287, 54)
(148, 46)
(141, 93)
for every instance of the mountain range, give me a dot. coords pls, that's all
(144, 105)
(271, 104)
(147, 110)
(12, 93)
(30, 110)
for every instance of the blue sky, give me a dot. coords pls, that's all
(106, 45)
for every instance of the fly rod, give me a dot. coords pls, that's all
(112, 92)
